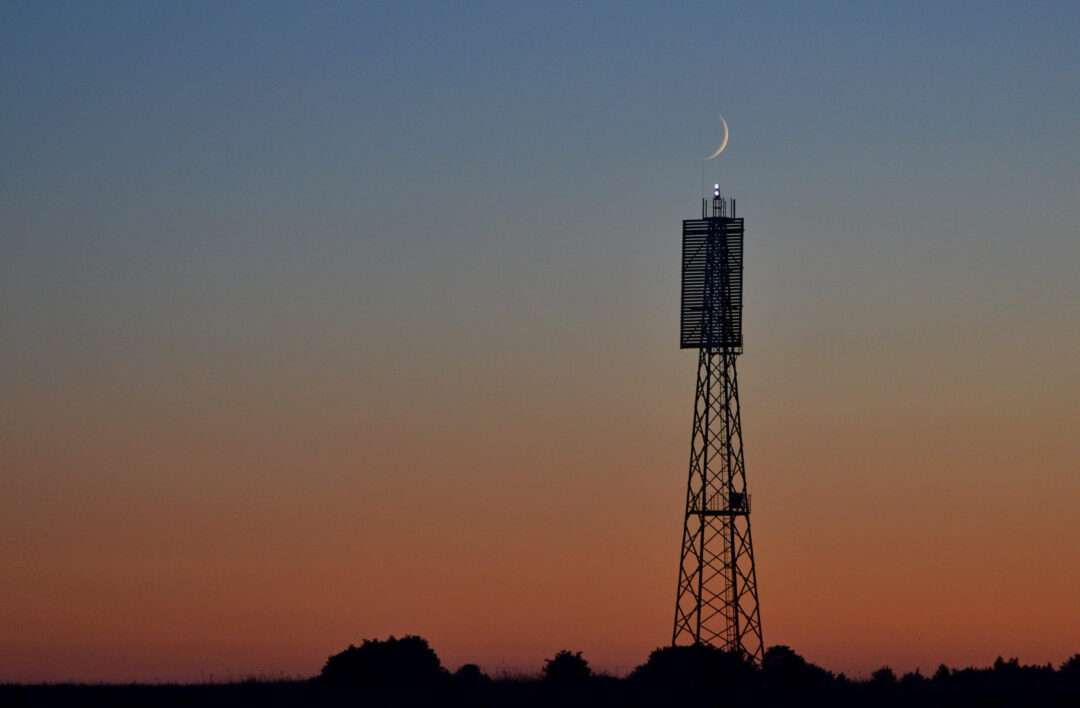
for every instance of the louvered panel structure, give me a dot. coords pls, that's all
(712, 283)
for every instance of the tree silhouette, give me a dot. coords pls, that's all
(471, 673)
(695, 671)
(786, 672)
(883, 678)
(1012, 666)
(566, 669)
(406, 664)
(1071, 666)
(472, 686)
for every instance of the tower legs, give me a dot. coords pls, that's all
(717, 601)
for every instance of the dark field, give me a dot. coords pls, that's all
(407, 672)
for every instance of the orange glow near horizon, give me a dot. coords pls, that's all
(261, 544)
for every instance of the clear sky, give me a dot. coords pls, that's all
(329, 321)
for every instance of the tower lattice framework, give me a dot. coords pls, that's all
(717, 601)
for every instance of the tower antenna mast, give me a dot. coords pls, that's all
(717, 599)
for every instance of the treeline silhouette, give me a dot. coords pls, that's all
(408, 672)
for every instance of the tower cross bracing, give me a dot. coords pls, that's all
(717, 599)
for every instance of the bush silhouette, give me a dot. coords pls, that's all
(1071, 666)
(883, 678)
(406, 664)
(786, 672)
(699, 670)
(471, 674)
(566, 670)
(1012, 666)
(913, 680)
(471, 685)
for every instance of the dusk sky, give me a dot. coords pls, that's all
(330, 321)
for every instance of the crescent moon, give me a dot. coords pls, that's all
(723, 143)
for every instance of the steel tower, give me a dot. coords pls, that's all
(717, 601)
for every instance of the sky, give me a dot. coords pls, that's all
(331, 321)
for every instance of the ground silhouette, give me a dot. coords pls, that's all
(408, 672)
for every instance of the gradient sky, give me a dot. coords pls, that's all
(329, 321)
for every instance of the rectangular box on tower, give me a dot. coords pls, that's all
(712, 267)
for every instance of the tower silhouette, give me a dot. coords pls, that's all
(717, 601)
